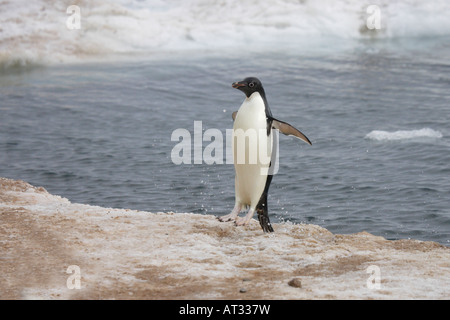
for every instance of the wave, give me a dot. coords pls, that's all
(38, 31)
(378, 135)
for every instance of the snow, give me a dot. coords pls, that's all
(127, 254)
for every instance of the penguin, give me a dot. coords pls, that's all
(254, 121)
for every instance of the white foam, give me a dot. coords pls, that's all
(379, 135)
(36, 32)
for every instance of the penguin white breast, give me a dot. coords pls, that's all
(252, 159)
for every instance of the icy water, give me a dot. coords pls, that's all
(100, 134)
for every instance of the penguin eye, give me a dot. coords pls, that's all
(251, 84)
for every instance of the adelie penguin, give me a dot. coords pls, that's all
(252, 153)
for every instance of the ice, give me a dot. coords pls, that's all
(127, 254)
(36, 32)
(379, 135)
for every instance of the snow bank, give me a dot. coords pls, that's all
(126, 254)
(46, 32)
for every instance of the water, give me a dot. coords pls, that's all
(376, 111)
(101, 134)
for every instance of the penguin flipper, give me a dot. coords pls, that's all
(262, 209)
(233, 115)
(289, 130)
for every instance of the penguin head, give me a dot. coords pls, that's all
(249, 86)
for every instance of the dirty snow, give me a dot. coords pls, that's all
(127, 254)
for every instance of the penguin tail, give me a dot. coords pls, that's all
(263, 214)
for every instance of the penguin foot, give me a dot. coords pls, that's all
(232, 215)
(241, 221)
(228, 217)
(245, 220)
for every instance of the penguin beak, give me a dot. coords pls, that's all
(238, 85)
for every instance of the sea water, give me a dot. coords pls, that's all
(90, 115)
